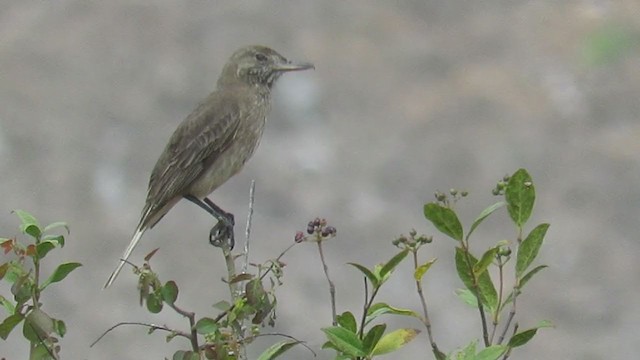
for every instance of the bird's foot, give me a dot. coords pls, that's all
(222, 232)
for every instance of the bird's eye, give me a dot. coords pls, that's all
(261, 57)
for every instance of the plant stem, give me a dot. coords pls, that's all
(483, 318)
(423, 301)
(192, 325)
(332, 288)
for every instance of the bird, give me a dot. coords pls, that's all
(213, 143)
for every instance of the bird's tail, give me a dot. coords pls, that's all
(134, 241)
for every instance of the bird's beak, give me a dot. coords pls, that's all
(289, 66)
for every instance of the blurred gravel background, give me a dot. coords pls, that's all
(408, 97)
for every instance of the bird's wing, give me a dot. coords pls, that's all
(202, 136)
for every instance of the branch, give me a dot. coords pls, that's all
(332, 288)
(151, 326)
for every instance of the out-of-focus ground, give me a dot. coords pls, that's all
(408, 97)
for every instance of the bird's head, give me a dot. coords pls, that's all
(258, 65)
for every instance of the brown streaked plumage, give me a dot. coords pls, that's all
(213, 143)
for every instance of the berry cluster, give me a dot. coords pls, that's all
(412, 241)
(319, 228)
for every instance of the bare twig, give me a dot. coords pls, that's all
(151, 326)
(508, 353)
(192, 325)
(332, 288)
(247, 230)
(423, 301)
(512, 314)
(367, 305)
(500, 293)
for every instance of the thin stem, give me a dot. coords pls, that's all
(423, 301)
(512, 314)
(364, 306)
(332, 288)
(192, 325)
(229, 260)
(500, 292)
(247, 230)
(483, 318)
(508, 353)
(151, 326)
(276, 260)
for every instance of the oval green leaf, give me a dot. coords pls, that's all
(444, 219)
(529, 248)
(394, 341)
(520, 195)
(344, 340)
(422, 269)
(484, 214)
(375, 281)
(277, 349)
(170, 292)
(206, 326)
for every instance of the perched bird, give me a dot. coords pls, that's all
(214, 142)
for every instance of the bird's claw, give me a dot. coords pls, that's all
(222, 232)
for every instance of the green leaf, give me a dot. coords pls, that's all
(277, 349)
(8, 324)
(57, 240)
(392, 263)
(467, 297)
(375, 281)
(373, 336)
(520, 195)
(345, 340)
(528, 249)
(30, 225)
(43, 248)
(381, 308)
(347, 321)
(59, 327)
(41, 352)
(394, 341)
(492, 352)
(469, 352)
(484, 214)
(56, 225)
(154, 303)
(185, 355)
(37, 325)
(486, 260)
(422, 269)
(206, 326)
(530, 274)
(222, 305)
(8, 306)
(525, 336)
(487, 292)
(444, 219)
(170, 292)
(60, 273)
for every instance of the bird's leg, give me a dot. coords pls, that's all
(224, 228)
(221, 231)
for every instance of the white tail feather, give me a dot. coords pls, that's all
(125, 256)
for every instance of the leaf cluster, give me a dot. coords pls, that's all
(22, 270)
